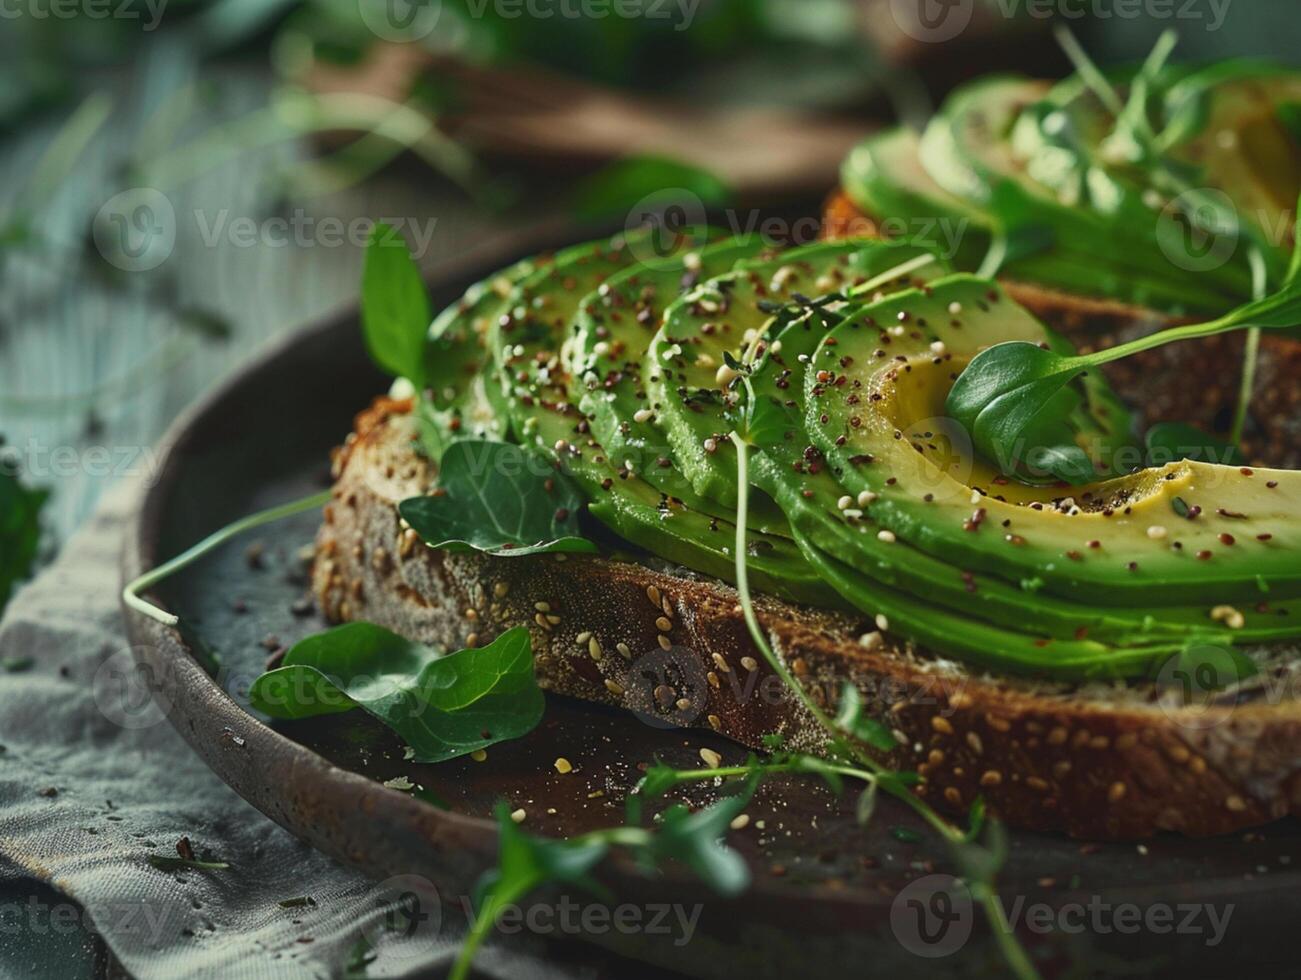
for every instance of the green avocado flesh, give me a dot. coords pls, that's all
(1162, 205)
(630, 362)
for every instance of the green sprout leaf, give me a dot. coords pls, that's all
(851, 719)
(441, 706)
(498, 498)
(20, 529)
(394, 307)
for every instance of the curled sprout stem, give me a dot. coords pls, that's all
(132, 593)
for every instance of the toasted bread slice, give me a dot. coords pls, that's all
(1103, 761)
(1211, 365)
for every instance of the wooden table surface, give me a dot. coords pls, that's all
(95, 360)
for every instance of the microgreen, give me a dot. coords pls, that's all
(394, 307)
(980, 864)
(526, 862)
(1012, 393)
(501, 499)
(441, 706)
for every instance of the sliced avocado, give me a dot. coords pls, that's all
(688, 375)
(967, 149)
(526, 342)
(612, 329)
(980, 643)
(1244, 147)
(821, 513)
(456, 352)
(1117, 542)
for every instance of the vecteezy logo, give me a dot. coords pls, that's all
(1198, 230)
(135, 230)
(667, 688)
(400, 21)
(404, 914)
(931, 917)
(657, 222)
(932, 21)
(944, 456)
(128, 693)
(1190, 685)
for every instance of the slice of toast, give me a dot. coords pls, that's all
(1102, 761)
(1211, 366)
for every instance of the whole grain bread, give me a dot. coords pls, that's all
(1105, 761)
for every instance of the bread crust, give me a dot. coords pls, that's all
(1102, 764)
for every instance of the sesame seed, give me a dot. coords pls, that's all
(882, 622)
(991, 777)
(542, 607)
(1156, 532)
(715, 722)
(653, 594)
(844, 503)
(749, 663)
(955, 308)
(501, 589)
(563, 765)
(1236, 803)
(664, 624)
(886, 536)
(613, 687)
(724, 375)
(865, 498)
(624, 651)
(938, 348)
(721, 663)
(583, 637)
(872, 641)
(594, 648)
(519, 815)
(664, 641)
(941, 725)
(479, 755)
(1229, 616)
(740, 821)
(711, 758)
(642, 415)
(712, 678)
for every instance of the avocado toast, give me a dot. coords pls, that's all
(1018, 639)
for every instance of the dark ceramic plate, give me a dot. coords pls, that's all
(827, 895)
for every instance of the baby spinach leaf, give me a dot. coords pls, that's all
(696, 840)
(1168, 441)
(498, 498)
(394, 307)
(441, 706)
(20, 529)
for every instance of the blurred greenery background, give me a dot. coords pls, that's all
(183, 180)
